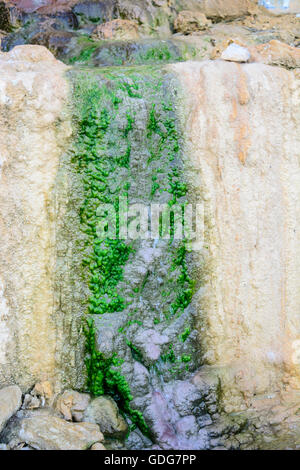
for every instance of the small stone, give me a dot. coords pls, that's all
(188, 22)
(10, 402)
(97, 446)
(236, 53)
(72, 405)
(104, 412)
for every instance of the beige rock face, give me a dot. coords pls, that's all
(243, 141)
(33, 131)
(10, 402)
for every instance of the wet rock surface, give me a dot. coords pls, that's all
(158, 334)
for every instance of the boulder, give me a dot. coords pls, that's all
(10, 402)
(116, 29)
(188, 22)
(227, 9)
(104, 412)
(276, 53)
(72, 405)
(52, 433)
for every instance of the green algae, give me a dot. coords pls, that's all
(116, 154)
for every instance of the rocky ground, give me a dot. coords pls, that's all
(130, 32)
(43, 420)
(69, 421)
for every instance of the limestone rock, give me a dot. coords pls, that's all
(104, 412)
(72, 405)
(10, 402)
(252, 157)
(276, 53)
(116, 29)
(188, 22)
(51, 433)
(235, 53)
(32, 138)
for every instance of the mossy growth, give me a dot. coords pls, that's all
(87, 51)
(84, 55)
(106, 256)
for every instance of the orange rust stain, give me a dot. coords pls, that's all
(243, 93)
(234, 112)
(244, 142)
(239, 115)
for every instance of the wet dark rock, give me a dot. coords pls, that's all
(47, 31)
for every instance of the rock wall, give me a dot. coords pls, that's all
(33, 130)
(242, 133)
